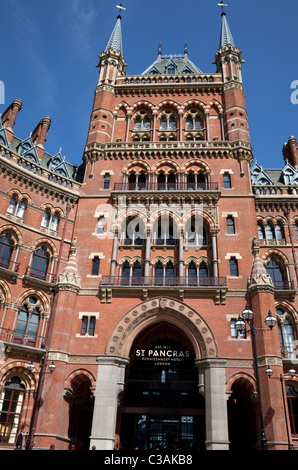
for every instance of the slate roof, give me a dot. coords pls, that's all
(225, 34)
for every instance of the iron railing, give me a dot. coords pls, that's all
(9, 264)
(17, 336)
(40, 274)
(155, 281)
(155, 186)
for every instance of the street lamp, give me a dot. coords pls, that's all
(292, 372)
(42, 373)
(247, 317)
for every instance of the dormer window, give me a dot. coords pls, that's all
(171, 69)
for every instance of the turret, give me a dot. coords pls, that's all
(228, 61)
(111, 64)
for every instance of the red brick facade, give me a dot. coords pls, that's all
(78, 289)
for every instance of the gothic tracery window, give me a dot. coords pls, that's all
(28, 321)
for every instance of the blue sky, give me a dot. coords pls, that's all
(50, 47)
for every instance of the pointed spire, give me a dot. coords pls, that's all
(69, 275)
(225, 35)
(259, 276)
(115, 41)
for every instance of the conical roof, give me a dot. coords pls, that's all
(225, 35)
(115, 41)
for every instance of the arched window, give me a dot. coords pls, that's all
(133, 231)
(165, 230)
(275, 269)
(16, 207)
(171, 181)
(142, 180)
(40, 263)
(142, 122)
(54, 222)
(170, 274)
(6, 249)
(286, 335)
(28, 322)
(11, 402)
(46, 218)
(261, 234)
(125, 273)
(193, 122)
(203, 270)
(168, 121)
(196, 181)
(132, 181)
(158, 272)
(279, 231)
(292, 399)
(136, 273)
(192, 274)
(12, 204)
(269, 232)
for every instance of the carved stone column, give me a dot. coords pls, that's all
(216, 414)
(110, 382)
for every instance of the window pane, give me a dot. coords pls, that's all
(269, 232)
(233, 267)
(22, 322)
(227, 180)
(230, 225)
(106, 183)
(12, 205)
(54, 222)
(6, 247)
(95, 266)
(84, 325)
(101, 225)
(92, 326)
(21, 209)
(33, 326)
(45, 219)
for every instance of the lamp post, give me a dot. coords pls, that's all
(292, 372)
(247, 317)
(41, 374)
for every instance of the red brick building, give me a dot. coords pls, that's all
(130, 273)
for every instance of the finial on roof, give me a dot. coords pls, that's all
(185, 48)
(120, 7)
(159, 48)
(222, 5)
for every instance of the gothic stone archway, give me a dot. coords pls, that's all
(162, 309)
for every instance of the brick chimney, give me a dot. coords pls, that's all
(290, 151)
(9, 117)
(39, 135)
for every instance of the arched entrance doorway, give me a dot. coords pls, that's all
(161, 406)
(242, 416)
(80, 411)
(112, 378)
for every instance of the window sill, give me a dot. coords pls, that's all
(78, 335)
